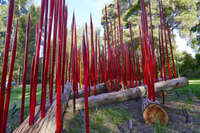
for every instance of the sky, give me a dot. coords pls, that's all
(182, 45)
(83, 9)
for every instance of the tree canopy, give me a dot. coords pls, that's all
(181, 15)
(22, 9)
(195, 42)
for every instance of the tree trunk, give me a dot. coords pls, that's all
(48, 123)
(128, 94)
(100, 88)
(161, 85)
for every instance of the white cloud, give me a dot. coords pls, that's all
(182, 45)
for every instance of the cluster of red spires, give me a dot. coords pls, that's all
(105, 63)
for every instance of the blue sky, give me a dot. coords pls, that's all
(83, 9)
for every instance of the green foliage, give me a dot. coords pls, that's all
(180, 14)
(195, 41)
(188, 66)
(198, 59)
(22, 8)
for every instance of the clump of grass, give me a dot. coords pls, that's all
(97, 121)
(76, 117)
(194, 88)
(113, 116)
(97, 126)
(159, 128)
(117, 115)
(75, 124)
(188, 100)
(198, 116)
(75, 130)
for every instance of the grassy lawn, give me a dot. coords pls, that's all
(194, 88)
(15, 100)
(16, 94)
(188, 91)
(103, 120)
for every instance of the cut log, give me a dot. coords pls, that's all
(48, 123)
(128, 94)
(171, 84)
(153, 112)
(161, 85)
(100, 88)
(107, 98)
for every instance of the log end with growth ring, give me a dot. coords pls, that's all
(154, 112)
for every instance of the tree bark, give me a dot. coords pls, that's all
(48, 123)
(128, 94)
(100, 88)
(161, 85)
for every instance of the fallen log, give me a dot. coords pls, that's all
(128, 94)
(105, 87)
(100, 88)
(48, 123)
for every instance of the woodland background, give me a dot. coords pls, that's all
(182, 15)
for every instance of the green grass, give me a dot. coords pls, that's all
(15, 99)
(159, 128)
(75, 122)
(194, 88)
(74, 130)
(101, 119)
(117, 115)
(16, 94)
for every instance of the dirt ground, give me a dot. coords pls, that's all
(114, 118)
